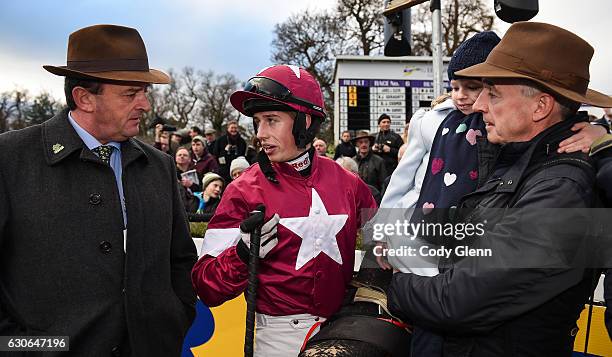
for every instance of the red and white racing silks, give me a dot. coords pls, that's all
(309, 269)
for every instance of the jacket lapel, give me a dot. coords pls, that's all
(60, 139)
(131, 150)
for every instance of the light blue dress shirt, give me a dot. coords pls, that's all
(115, 159)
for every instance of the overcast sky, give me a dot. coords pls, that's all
(220, 35)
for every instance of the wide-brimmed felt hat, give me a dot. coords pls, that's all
(555, 58)
(363, 134)
(108, 52)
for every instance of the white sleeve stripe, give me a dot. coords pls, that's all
(217, 240)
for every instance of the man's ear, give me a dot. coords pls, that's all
(84, 99)
(308, 121)
(543, 107)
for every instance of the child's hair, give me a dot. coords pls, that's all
(440, 99)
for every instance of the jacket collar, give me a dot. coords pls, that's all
(287, 170)
(132, 150)
(60, 140)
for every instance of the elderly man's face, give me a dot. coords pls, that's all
(320, 147)
(507, 112)
(363, 145)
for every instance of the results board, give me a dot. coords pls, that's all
(362, 101)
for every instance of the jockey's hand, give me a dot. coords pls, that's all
(268, 240)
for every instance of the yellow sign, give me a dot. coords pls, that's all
(352, 96)
(599, 341)
(352, 102)
(352, 89)
(228, 338)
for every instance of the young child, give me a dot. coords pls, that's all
(453, 163)
(407, 181)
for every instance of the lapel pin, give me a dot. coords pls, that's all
(57, 148)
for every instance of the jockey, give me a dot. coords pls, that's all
(312, 214)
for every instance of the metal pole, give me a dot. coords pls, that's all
(436, 44)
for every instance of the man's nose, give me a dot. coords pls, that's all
(262, 131)
(143, 103)
(481, 104)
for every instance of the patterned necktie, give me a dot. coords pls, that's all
(104, 152)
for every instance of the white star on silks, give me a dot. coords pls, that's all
(318, 232)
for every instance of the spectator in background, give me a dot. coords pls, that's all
(227, 148)
(185, 163)
(405, 132)
(350, 165)
(162, 140)
(387, 143)
(253, 150)
(205, 205)
(164, 144)
(211, 137)
(204, 162)
(606, 120)
(320, 147)
(345, 148)
(371, 167)
(400, 154)
(608, 115)
(195, 131)
(238, 165)
(179, 138)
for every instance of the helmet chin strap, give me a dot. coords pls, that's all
(266, 167)
(302, 135)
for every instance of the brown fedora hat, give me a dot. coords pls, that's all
(549, 55)
(363, 134)
(108, 52)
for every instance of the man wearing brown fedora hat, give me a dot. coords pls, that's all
(525, 297)
(372, 168)
(94, 242)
